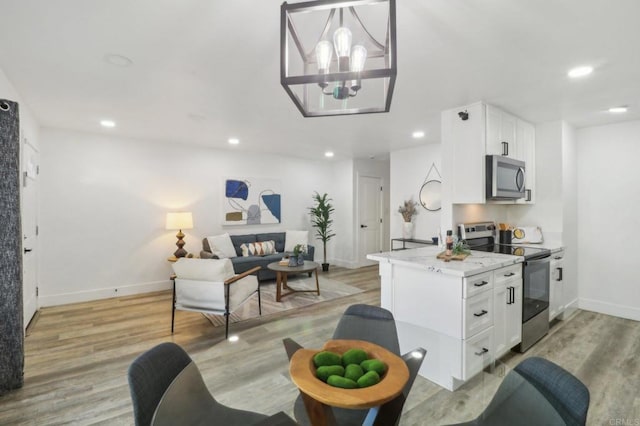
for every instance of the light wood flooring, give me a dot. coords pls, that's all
(77, 358)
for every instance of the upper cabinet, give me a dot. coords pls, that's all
(468, 134)
(526, 151)
(501, 133)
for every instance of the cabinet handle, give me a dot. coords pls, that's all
(505, 148)
(481, 313)
(559, 274)
(510, 274)
(558, 257)
(509, 299)
(482, 352)
(528, 192)
(481, 283)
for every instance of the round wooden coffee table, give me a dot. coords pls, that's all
(283, 271)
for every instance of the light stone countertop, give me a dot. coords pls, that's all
(425, 258)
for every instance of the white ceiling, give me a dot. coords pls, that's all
(204, 71)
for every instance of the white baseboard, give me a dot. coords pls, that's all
(613, 309)
(350, 264)
(102, 293)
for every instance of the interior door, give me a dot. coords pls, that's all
(370, 217)
(30, 170)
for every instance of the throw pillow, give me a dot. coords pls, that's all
(222, 246)
(293, 238)
(261, 248)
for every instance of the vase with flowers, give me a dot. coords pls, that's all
(298, 252)
(408, 211)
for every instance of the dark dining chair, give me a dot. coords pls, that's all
(167, 388)
(376, 325)
(535, 392)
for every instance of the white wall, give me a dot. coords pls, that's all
(409, 168)
(608, 205)
(105, 199)
(547, 210)
(570, 224)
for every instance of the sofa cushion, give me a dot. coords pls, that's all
(258, 248)
(239, 240)
(221, 246)
(278, 237)
(293, 238)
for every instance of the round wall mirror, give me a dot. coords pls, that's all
(431, 195)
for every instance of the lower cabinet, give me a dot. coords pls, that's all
(464, 323)
(556, 285)
(507, 302)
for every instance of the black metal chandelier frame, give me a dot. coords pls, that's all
(387, 51)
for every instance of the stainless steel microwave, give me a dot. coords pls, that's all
(505, 178)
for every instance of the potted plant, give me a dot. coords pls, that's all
(408, 211)
(321, 220)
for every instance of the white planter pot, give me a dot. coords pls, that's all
(407, 230)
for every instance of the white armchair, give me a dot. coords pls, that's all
(210, 286)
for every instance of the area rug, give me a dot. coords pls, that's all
(329, 289)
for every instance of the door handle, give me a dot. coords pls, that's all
(27, 250)
(363, 226)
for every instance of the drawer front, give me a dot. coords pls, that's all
(510, 272)
(477, 284)
(478, 312)
(477, 353)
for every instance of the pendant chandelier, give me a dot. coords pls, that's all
(331, 63)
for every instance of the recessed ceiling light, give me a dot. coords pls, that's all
(234, 338)
(328, 154)
(118, 60)
(618, 109)
(107, 123)
(234, 141)
(418, 134)
(580, 71)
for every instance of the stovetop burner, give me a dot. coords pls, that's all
(528, 253)
(480, 236)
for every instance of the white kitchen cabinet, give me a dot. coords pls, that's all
(556, 285)
(501, 133)
(464, 153)
(507, 294)
(486, 131)
(456, 316)
(526, 151)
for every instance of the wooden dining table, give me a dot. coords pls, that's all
(319, 397)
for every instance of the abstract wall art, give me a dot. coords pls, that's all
(251, 201)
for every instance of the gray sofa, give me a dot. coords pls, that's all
(242, 264)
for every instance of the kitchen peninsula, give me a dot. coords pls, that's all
(464, 313)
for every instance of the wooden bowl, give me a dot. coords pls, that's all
(303, 374)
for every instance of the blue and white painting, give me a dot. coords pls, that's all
(251, 201)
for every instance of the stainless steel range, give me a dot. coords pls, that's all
(535, 272)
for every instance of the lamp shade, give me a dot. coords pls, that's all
(179, 220)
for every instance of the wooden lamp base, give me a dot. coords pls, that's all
(181, 252)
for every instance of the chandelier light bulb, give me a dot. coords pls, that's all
(324, 53)
(342, 44)
(358, 58)
(342, 41)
